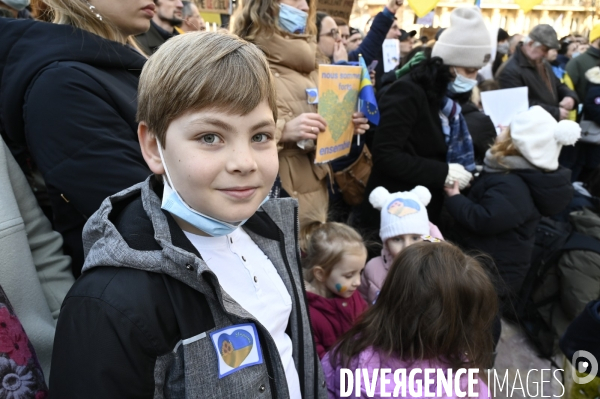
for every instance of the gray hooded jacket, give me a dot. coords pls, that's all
(137, 323)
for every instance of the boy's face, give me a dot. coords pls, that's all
(395, 245)
(221, 164)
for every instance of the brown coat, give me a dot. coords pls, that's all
(294, 67)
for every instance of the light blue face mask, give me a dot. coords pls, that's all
(461, 84)
(175, 205)
(17, 4)
(292, 19)
(576, 54)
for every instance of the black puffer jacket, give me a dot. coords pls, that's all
(68, 101)
(501, 212)
(408, 149)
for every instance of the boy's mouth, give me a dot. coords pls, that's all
(239, 192)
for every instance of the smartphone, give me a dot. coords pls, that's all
(372, 66)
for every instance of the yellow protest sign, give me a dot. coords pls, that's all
(338, 93)
(422, 7)
(527, 5)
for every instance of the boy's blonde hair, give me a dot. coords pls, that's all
(201, 70)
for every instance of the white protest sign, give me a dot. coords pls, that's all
(502, 105)
(391, 54)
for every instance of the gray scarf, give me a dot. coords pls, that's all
(509, 163)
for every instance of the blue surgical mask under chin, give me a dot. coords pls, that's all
(461, 84)
(174, 204)
(292, 19)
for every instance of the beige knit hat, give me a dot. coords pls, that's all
(466, 42)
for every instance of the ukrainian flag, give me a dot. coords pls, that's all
(366, 96)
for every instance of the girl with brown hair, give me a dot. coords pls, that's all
(435, 310)
(286, 32)
(335, 256)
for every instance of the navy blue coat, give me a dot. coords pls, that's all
(501, 212)
(68, 100)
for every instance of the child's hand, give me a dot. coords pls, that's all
(361, 124)
(452, 191)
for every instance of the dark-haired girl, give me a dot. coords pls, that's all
(434, 311)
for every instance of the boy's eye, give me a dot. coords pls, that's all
(260, 138)
(210, 139)
(416, 238)
(349, 275)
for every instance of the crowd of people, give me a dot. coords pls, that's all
(165, 230)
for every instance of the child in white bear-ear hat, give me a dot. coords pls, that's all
(521, 182)
(404, 221)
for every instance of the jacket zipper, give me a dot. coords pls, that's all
(265, 348)
(316, 356)
(296, 297)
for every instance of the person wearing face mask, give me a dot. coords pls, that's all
(422, 138)
(290, 44)
(528, 67)
(12, 8)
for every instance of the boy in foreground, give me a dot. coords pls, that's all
(192, 285)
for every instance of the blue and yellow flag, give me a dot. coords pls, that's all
(366, 96)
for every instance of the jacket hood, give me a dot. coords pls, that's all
(145, 239)
(292, 51)
(551, 191)
(30, 46)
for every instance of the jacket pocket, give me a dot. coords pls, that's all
(202, 373)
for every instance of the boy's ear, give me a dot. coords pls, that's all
(149, 146)
(319, 274)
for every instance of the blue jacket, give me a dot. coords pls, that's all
(370, 48)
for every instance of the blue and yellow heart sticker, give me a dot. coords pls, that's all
(403, 206)
(236, 347)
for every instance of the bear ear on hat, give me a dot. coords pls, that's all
(423, 194)
(379, 197)
(567, 132)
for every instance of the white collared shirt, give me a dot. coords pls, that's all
(249, 277)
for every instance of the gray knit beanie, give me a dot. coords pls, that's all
(466, 42)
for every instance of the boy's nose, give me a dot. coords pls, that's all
(242, 161)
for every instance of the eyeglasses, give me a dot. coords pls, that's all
(334, 33)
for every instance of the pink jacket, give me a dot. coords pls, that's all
(377, 269)
(370, 360)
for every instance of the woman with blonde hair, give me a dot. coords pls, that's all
(68, 105)
(286, 32)
(521, 182)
